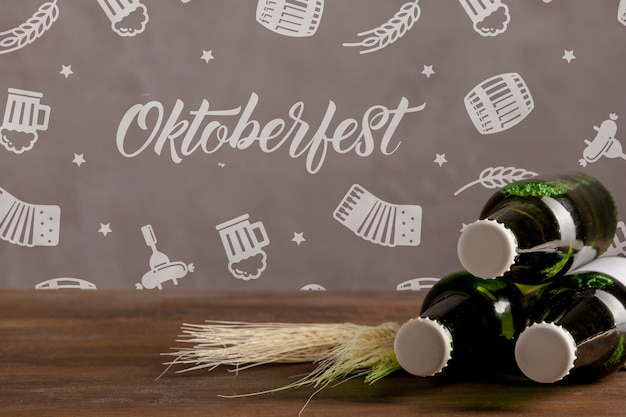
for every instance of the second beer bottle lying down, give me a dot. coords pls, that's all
(475, 327)
(467, 325)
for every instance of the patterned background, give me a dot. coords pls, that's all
(288, 144)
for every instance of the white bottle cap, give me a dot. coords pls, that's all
(423, 346)
(486, 248)
(545, 352)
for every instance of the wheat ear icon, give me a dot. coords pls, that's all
(497, 177)
(27, 32)
(390, 31)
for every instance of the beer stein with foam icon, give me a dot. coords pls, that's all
(499, 103)
(24, 116)
(489, 17)
(243, 242)
(128, 17)
(294, 18)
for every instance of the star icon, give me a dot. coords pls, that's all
(568, 55)
(298, 238)
(207, 55)
(428, 71)
(79, 159)
(66, 70)
(440, 159)
(105, 229)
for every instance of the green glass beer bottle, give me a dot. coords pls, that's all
(535, 230)
(578, 325)
(467, 326)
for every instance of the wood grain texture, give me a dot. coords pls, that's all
(98, 354)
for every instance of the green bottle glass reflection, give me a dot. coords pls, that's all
(535, 230)
(467, 326)
(578, 325)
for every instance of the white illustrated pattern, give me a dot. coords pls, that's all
(489, 17)
(621, 12)
(568, 55)
(128, 17)
(390, 31)
(24, 117)
(294, 18)
(378, 221)
(417, 284)
(313, 287)
(243, 243)
(66, 283)
(32, 29)
(162, 269)
(604, 144)
(26, 224)
(499, 103)
(494, 105)
(497, 177)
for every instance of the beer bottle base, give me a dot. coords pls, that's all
(545, 352)
(423, 346)
(487, 249)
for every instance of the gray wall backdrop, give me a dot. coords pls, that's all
(127, 119)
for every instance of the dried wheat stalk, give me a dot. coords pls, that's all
(341, 351)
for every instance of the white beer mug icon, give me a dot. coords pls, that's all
(243, 243)
(128, 17)
(24, 115)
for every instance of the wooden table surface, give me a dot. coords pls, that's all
(98, 353)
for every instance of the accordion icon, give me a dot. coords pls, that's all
(294, 18)
(378, 221)
(28, 224)
(499, 103)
